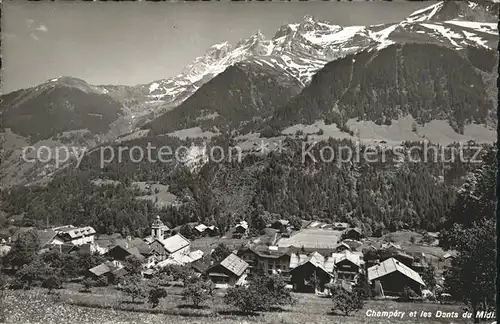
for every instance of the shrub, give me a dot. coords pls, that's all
(408, 294)
(102, 281)
(87, 284)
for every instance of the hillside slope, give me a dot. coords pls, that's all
(426, 81)
(241, 93)
(61, 104)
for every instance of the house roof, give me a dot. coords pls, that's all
(45, 236)
(201, 228)
(283, 222)
(312, 238)
(196, 255)
(140, 244)
(449, 255)
(264, 251)
(355, 258)
(354, 229)
(100, 269)
(75, 232)
(392, 265)
(390, 245)
(317, 260)
(243, 224)
(66, 248)
(175, 243)
(120, 272)
(105, 240)
(343, 244)
(234, 264)
(4, 249)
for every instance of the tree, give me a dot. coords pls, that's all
(3, 288)
(246, 299)
(220, 252)
(471, 277)
(133, 265)
(23, 251)
(346, 301)
(52, 281)
(429, 277)
(155, 294)
(33, 273)
(198, 291)
(187, 231)
(134, 288)
(470, 230)
(295, 222)
(178, 272)
(260, 295)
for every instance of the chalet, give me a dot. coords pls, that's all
(282, 225)
(181, 258)
(122, 251)
(352, 234)
(4, 249)
(394, 276)
(106, 241)
(229, 272)
(340, 226)
(342, 247)
(74, 235)
(348, 265)
(46, 237)
(398, 255)
(107, 269)
(165, 248)
(212, 230)
(390, 245)
(240, 229)
(266, 260)
(200, 229)
(310, 274)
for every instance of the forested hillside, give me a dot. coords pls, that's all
(59, 105)
(394, 194)
(427, 81)
(234, 97)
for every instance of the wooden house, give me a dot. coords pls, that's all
(229, 272)
(394, 276)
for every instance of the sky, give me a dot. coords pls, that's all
(140, 42)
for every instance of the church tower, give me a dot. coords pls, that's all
(157, 228)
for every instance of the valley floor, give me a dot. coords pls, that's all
(106, 305)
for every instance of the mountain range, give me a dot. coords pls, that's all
(436, 67)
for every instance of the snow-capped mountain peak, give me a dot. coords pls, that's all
(301, 48)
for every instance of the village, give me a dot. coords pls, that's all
(310, 257)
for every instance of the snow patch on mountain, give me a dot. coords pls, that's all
(490, 28)
(425, 14)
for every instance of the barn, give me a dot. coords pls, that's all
(229, 272)
(394, 276)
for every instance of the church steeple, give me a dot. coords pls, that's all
(157, 228)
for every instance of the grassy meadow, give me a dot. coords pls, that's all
(108, 305)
